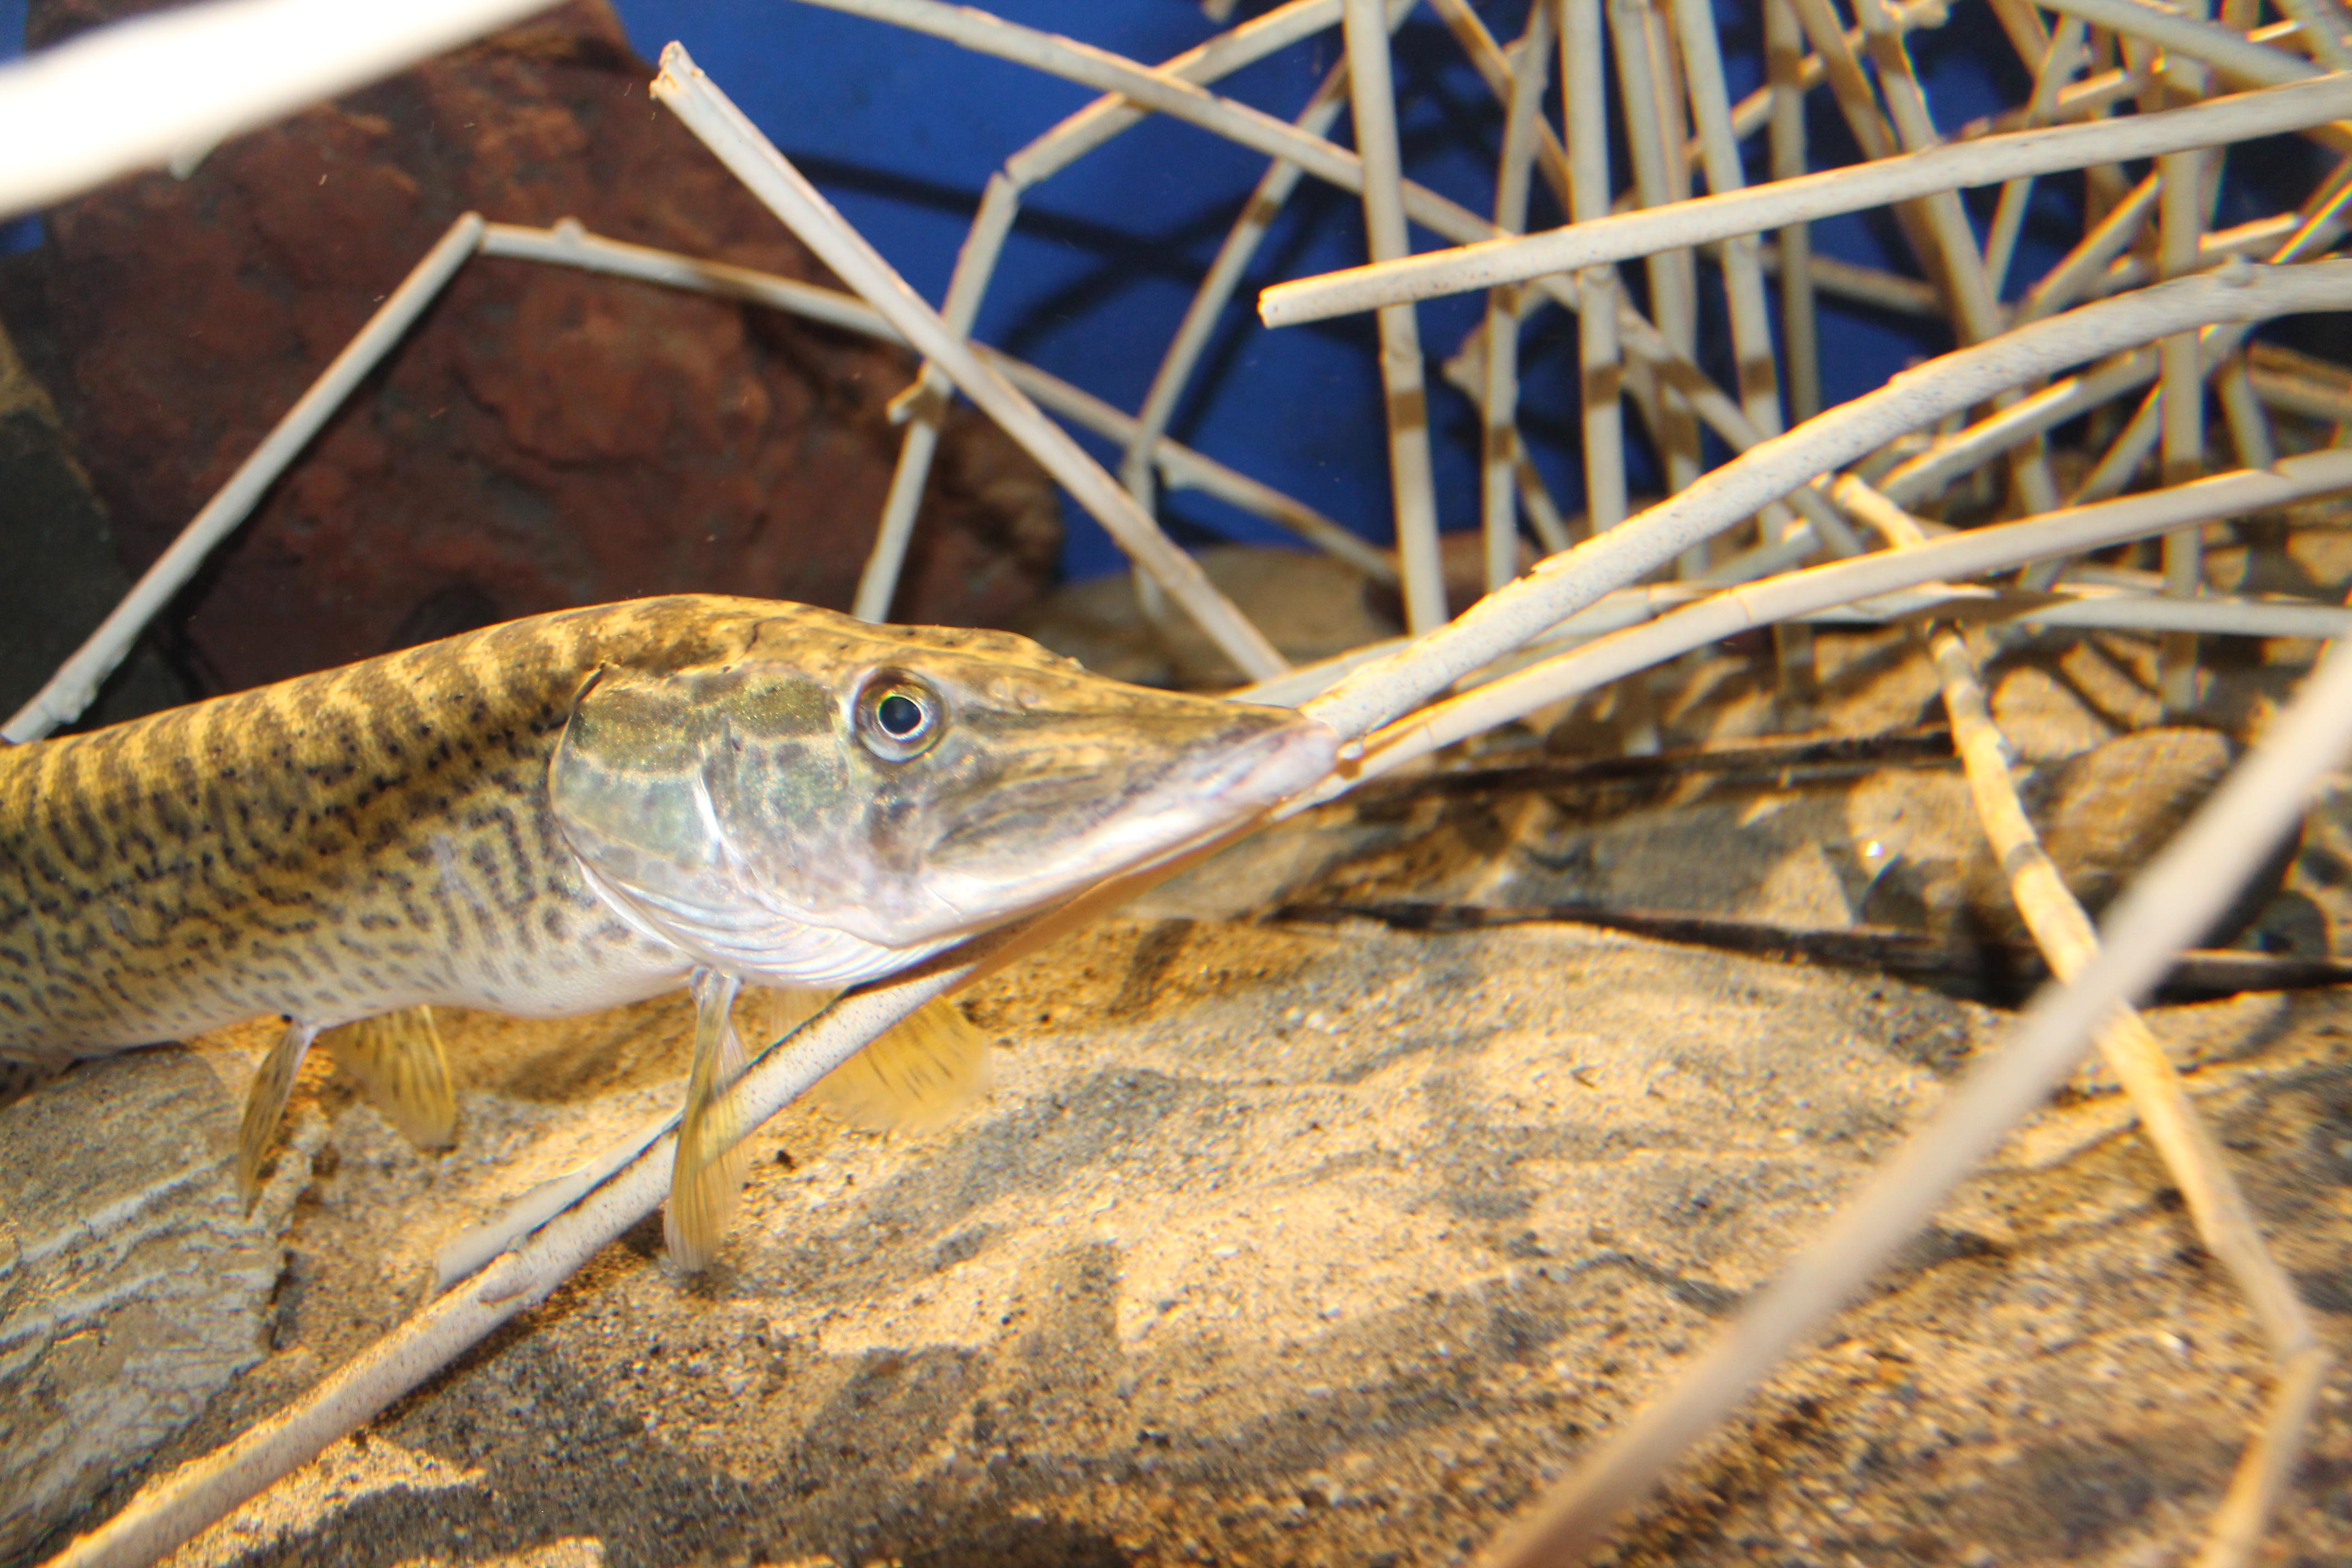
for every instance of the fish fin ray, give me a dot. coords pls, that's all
(399, 1059)
(708, 1173)
(264, 1106)
(917, 1077)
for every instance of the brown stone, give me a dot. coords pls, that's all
(544, 437)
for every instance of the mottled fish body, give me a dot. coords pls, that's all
(586, 808)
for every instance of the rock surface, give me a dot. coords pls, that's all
(544, 437)
(63, 573)
(133, 1287)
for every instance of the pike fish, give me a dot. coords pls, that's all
(583, 809)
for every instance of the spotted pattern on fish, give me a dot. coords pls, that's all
(328, 847)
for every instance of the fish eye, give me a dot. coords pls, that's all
(898, 717)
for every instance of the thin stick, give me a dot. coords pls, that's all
(878, 583)
(1584, 87)
(2060, 61)
(2233, 55)
(1405, 396)
(737, 144)
(1785, 92)
(1774, 468)
(167, 88)
(2064, 931)
(2180, 380)
(1951, 457)
(2195, 876)
(1218, 285)
(71, 689)
(1659, 181)
(2078, 271)
(1869, 578)
(1705, 219)
(1499, 387)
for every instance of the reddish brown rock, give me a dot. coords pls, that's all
(544, 437)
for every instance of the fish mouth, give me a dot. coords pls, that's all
(1017, 859)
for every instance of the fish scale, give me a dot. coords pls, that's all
(328, 847)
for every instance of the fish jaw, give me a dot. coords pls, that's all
(761, 814)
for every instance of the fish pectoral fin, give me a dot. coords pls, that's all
(919, 1077)
(707, 1177)
(399, 1060)
(265, 1104)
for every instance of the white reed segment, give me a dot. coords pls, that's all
(1561, 584)
(1955, 166)
(2178, 896)
(737, 144)
(1405, 395)
(2232, 53)
(1584, 90)
(1820, 591)
(74, 687)
(924, 404)
(167, 88)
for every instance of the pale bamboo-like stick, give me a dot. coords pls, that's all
(2180, 893)
(64, 697)
(878, 583)
(1864, 285)
(2064, 931)
(1818, 590)
(1953, 457)
(2060, 61)
(1770, 472)
(167, 88)
(1705, 219)
(1756, 374)
(2254, 241)
(1500, 456)
(1659, 180)
(1583, 79)
(1486, 56)
(1080, 133)
(2077, 272)
(2285, 391)
(2233, 55)
(2181, 224)
(1220, 282)
(1335, 166)
(1784, 95)
(1180, 468)
(2186, 887)
(2324, 224)
(1219, 57)
(739, 144)
(1371, 96)
(2250, 424)
(2324, 27)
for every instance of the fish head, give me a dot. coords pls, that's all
(836, 800)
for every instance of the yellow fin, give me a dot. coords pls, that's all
(917, 1077)
(264, 1103)
(399, 1060)
(707, 1176)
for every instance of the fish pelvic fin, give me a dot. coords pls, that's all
(707, 1177)
(400, 1062)
(919, 1077)
(265, 1105)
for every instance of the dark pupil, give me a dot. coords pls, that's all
(899, 715)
